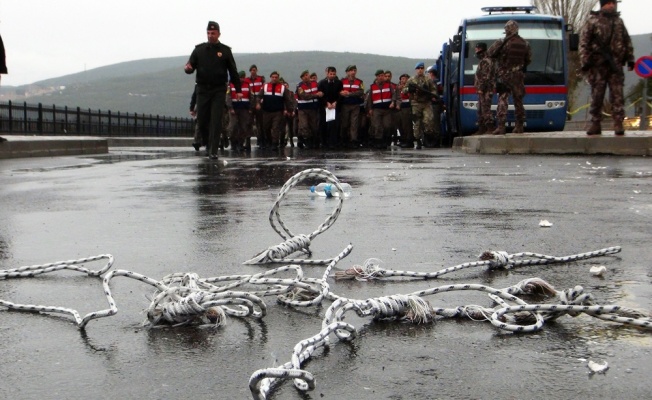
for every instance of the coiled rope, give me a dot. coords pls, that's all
(294, 243)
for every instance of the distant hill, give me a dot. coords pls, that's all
(160, 87)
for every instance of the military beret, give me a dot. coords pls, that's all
(281, 80)
(241, 74)
(252, 67)
(420, 64)
(350, 67)
(306, 72)
(273, 73)
(379, 72)
(213, 26)
(404, 75)
(313, 74)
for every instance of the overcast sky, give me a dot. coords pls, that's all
(45, 38)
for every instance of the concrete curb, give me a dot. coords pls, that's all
(51, 146)
(633, 144)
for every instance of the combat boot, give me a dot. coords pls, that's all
(594, 129)
(500, 129)
(518, 128)
(482, 129)
(618, 128)
(419, 144)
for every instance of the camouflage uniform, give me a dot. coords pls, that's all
(605, 46)
(513, 55)
(421, 102)
(485, 84)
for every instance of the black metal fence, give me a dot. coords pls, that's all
(36, 119)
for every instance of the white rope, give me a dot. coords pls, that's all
(293, 243)
(371, 269)
(184, 298)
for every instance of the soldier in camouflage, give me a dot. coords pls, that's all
(513, 55)
(422, 90)
(485, 84)
(605, 46)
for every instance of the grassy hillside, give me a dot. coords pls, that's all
(160, 86)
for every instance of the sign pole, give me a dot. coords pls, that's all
(643, 125)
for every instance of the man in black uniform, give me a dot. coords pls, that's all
(212, 60)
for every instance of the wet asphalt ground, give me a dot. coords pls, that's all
(165, 210)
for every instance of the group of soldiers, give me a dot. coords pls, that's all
(336, 113)
(605, 47)
(329, 113)
(502, 69)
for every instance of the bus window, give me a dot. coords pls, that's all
(545, 38)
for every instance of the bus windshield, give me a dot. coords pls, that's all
(545, 38)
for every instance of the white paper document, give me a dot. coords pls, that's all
(330, 114)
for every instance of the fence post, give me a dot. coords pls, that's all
(54, 118)
(65, 119)
(11, 118)
(136, 124)
(78, 127)
(109, 125)
(90, 121)
(39, 119)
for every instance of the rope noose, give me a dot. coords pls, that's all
(293, 243)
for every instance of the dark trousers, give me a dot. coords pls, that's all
(350, 118)
(273, 124)
(240, 128)
(210, 107)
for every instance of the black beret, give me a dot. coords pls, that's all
(213, 26)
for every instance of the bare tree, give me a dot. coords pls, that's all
(575, 13)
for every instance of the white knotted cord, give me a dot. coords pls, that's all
(492, 259)
(186, 299)
(294, 243)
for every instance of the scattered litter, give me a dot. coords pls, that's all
(598, 368)
(544, 223)
(598, 270)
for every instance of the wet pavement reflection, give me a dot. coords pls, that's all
(165, 210)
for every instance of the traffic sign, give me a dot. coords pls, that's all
(643, 67)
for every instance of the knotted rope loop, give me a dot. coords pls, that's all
(277, 253)
(369, 270)
(497, 259)
(274, 254)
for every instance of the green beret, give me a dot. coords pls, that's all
(350, 67)
(241, 74)
(306, 72)
(379, 72)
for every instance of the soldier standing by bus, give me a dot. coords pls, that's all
(513, 55)
(605, 46)
(421, 89)
(485, 85)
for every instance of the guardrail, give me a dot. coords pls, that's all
(37, 119)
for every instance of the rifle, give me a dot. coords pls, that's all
(413, 88)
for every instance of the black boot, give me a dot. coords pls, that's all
(419, 144)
